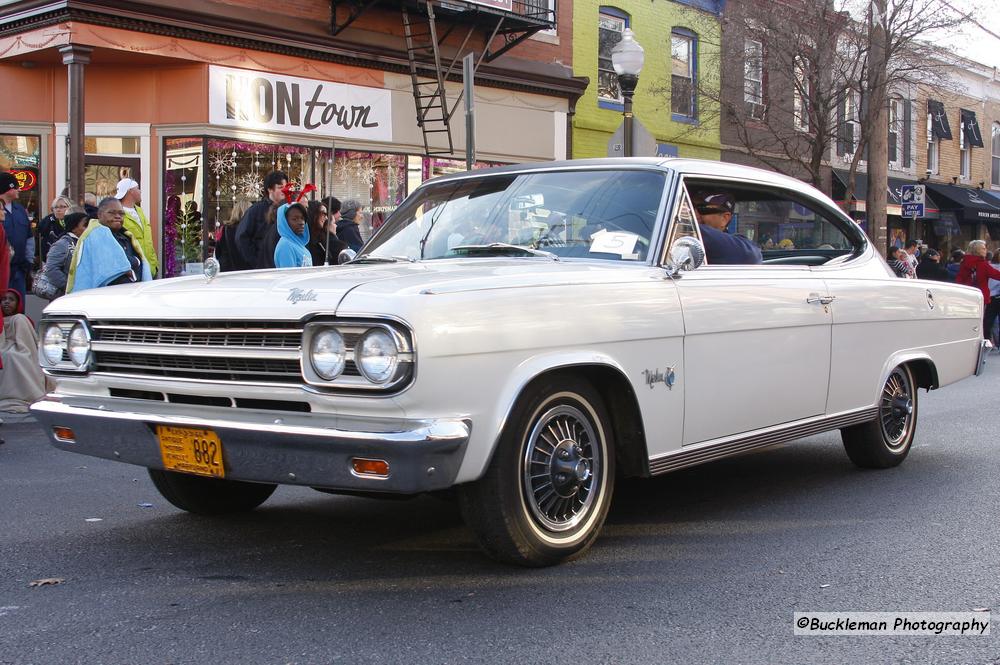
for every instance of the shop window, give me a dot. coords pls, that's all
(611, 25)
(995, 174)
(683, 69)
(377, 181)
(206, 180)
(21, 155)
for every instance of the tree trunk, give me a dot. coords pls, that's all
(878, 128)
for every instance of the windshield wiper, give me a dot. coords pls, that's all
(368, 258)
(505, 249)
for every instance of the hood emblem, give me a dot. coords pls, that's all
(667, 377)
(296, 296)
(211, 268)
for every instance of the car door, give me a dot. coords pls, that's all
(757, 339)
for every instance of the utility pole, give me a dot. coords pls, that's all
(878, 126)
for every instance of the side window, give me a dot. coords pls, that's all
(788, 227)
(683, 223)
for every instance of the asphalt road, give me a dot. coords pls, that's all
(705, 565)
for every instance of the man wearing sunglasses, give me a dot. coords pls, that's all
(715, 211)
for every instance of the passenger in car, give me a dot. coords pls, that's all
(715, 211)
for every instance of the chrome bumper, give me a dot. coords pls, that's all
(984, 347)
(422, 455)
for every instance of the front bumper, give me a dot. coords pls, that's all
(423, 455)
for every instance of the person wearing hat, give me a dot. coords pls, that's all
(930, 267)
(18, 229)
(715, 211)
(136, 222)
(348, 230)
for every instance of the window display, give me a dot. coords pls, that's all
(21, 155)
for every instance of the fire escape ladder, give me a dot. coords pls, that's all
(433, 116)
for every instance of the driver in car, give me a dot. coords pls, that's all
(715, 211)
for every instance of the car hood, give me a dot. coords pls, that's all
(289, 294)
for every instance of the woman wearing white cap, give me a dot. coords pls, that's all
(136, 221)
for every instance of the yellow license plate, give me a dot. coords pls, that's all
(190, 450)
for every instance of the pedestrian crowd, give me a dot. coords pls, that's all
(110, 241)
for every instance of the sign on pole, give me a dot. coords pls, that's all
(912, 198)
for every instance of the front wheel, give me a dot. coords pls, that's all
(209, 496)
(547, 490)
(885, 441)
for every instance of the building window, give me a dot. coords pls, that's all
(933, 145)
(894, 132)
(995, 177)
(611, 25)
(848, 126)
(965, 156)
(682, 73)
(801, 94)
(753, 78)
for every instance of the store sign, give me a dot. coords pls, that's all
(257, 100)
(26, 180)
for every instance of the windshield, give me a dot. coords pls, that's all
(601, 214)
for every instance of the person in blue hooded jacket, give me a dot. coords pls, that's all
(292, 250)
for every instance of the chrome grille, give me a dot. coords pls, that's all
(243, 351)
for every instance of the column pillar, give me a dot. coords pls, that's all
(76, 57)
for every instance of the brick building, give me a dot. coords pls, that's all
(198, 100)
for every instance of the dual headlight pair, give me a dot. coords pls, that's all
(66, 345)
(338, 353)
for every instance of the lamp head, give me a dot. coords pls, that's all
(627, 57)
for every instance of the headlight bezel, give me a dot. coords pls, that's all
(352, 379)
(66, 364)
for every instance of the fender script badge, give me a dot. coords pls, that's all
(296, 296)
(667, 378)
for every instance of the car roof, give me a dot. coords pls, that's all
(684, 166)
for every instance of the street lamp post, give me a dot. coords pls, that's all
(627, 58)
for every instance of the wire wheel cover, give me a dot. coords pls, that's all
(896, 410)
(562, 468)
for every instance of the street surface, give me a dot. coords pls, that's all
(705, 565)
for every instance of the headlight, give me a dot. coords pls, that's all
(52, 344)
(78, 346)
(377, 356)
(328, 354)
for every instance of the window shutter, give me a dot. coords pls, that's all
(863, 117)
(841, 128)
(907, 126)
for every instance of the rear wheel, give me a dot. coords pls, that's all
(885, 441)
(209, 496)
(547, 490)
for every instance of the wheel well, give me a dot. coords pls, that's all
(631, 456)
(924, 373)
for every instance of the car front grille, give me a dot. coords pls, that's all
(237, 351)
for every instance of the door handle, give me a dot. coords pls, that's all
(817, 299)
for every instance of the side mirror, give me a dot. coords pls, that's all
(345, 256)
(687, 253)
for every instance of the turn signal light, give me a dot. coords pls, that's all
(370, 467)
(64, 434)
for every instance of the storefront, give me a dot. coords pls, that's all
(200, 123)
(970, 214)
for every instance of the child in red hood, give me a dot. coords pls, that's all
(976, 271)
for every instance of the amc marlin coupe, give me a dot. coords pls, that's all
(527, 336)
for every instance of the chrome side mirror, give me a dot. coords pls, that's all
(345, 256)
(687, 253)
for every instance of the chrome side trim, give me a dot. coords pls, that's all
(718, 449)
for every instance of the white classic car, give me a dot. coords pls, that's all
(527, 335)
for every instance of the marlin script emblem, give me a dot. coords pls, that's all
(296, 296)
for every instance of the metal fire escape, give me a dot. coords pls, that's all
(427, 27)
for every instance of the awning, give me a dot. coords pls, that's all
(974, 204)
(970, 129)
(894, 194)
(939, 120)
